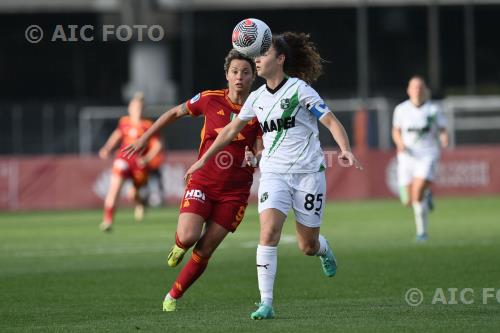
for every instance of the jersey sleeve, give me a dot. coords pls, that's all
(247, 112)
(196, 105)
(440, 118)
(311, 100)
(396, 118)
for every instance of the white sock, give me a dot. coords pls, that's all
(167, 296)
(267, 262)
(323, 246)
(420, 210)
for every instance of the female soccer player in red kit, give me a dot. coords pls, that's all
(216, 195)
(129, 129)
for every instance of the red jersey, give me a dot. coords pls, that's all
(131, 132)
(226, 171)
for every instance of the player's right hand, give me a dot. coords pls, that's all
(103, 153)
(134, 148)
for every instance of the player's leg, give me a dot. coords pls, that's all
(308, 206)
(225, 218)
(195, 209)
(139, 179)
(212, 237)
(404, 177)
(275, 200)
(115, 185)
(189, 229)
(424, 172)
(420, 207)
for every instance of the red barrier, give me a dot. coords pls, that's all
(73, 182)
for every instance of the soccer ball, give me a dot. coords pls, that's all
(251, 37)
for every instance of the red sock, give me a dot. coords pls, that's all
(179, 243)
(108, 214)
(188, 275)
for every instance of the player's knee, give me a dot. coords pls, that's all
(187, 239)
(308, 248)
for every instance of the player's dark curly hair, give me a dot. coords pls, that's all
(302, 59)
(232, 55)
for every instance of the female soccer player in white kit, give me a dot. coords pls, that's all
(418, 132)
(292, 163)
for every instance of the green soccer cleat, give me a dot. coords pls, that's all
(263, 312)
(175, 256)
(169, 304)
(328, 262)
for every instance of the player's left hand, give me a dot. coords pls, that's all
(250, 158)
(347, 156)
(193, 168)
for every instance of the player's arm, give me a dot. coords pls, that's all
(444, 137)
(167, 118)
(398, 139)
(225, 137)
(110, 144)
(339, 134)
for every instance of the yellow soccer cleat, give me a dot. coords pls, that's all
(175, 256)
(169, 304)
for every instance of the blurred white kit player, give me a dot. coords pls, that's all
(419, 133)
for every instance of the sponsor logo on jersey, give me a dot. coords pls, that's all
(195, 98)
(278, 124)
(195, 194)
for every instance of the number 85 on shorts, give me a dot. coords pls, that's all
(304, 193)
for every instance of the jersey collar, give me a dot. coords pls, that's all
(278, 87)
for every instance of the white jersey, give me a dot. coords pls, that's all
(419, 127)
(288, 117)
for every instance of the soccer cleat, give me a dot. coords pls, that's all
(105, 226)
(328, 262)
(263, 312)
(421, 238)
(175, 256)
(139, 213)
(169, 304)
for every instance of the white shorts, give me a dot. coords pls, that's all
(410, 167)
(304, 192)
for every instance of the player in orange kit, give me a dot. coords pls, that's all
(217, 195)
(129, 129)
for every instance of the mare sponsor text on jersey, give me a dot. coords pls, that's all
(278, 124)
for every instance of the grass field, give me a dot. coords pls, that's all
(59, 273)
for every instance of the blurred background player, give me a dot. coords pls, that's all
(217, 195)
(129, 129)
(292, 165)
(419, 132)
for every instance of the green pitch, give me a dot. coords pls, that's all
(59, 273)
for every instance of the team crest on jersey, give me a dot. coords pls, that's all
(195, 98)
(264, 197)
(285, 103)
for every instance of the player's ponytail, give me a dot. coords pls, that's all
(302, 59)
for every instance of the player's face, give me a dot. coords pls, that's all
(240, 76)
(135, 108)
(417, 91)
(269, 63)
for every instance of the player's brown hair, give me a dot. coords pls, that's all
(302, 59)
(232, 55)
